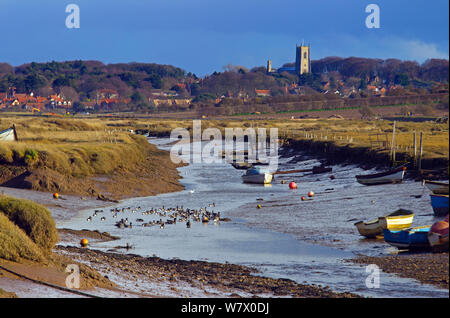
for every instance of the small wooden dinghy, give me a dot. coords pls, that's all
(415, 238)
(392, 176)
(437, 187)
(398, 220)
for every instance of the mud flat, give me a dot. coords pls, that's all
(63, 208)
(191, 278)
(427, 268)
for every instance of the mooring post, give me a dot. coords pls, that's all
(415, 149)
(420, 151)
(393, 145)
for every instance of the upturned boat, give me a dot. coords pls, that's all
(437, 187)
(398, 220)
(438, 236)
(392, 176)
(258, 175)
(439, 203)
(412, 239)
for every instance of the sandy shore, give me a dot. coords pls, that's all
(428, 268)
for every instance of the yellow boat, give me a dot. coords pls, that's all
(398, 220)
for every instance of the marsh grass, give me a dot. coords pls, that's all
(84, 147)
(372, 134)
(34, 219)
(15, 245)
(71, 147)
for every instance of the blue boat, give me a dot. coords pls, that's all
(413, 238)
(439, 202)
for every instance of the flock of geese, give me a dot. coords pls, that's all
(171, 215)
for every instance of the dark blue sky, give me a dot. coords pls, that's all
(202, 36)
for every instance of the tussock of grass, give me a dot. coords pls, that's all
(15, 245)
(34, 219)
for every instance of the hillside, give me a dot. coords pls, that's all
(96, 86)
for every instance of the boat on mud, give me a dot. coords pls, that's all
(438, 236)
(437, 187)
(391, 176)
(415, 238)
(257, 175)
(321, 169)
(242, 165)
(398, 220)
(439, 203)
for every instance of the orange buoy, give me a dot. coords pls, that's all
(55, 195)
(84, 242)
(292, 185)
(310, 194)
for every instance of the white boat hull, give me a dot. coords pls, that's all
(396, 177)
(263, 178)
(7, 135)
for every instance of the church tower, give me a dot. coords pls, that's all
(303, 59)
(269, 66)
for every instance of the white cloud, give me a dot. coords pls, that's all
(418, 50)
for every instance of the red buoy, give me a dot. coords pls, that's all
(310, 194)
(292, 185)
(303, 198)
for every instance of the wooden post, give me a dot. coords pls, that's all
(420, 151)
(15, 132)
(415, 149)
(393, 144)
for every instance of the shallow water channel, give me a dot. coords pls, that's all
(306, 241)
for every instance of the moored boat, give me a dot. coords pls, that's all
(438, 236)
(412, 238)
(439, 202)
(242, 165)
(392, 176)
(321, 169)
(437, 187)
(400, 219)
(257, 175)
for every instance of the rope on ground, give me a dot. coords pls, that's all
(49, 285)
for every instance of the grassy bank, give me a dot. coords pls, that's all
(87, 157)
(343, 139)
(27, 230)
(27, 238)
(102, 150)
